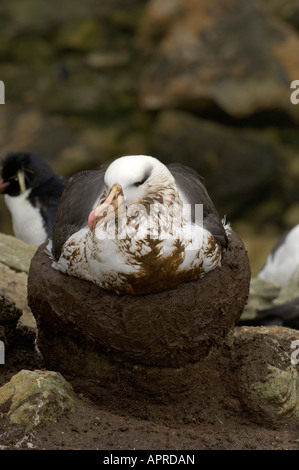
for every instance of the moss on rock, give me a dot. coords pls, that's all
(37, 397)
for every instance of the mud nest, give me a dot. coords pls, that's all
(167, 329)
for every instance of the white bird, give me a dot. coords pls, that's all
(283, 259)
(137, 228)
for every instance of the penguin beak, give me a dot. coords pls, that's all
(21, 178)
(3, 185)
(110, 209)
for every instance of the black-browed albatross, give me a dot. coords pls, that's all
(130, 229)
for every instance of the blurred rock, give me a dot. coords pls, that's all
(37, 397)
(261, 296)
(157, 19)
(30, 51)
(24, 128)
(14, 334)
(291, 216)
(106, 60)
(270, 304)
(240, 167)
(289, 11)
(258, 245)
(291, 289)
(83, 35)
(37, 18)
(15, 259)
(77, 144)
(82, 79)
(232, 56)
(15, 253)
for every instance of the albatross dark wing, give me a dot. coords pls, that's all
(82, 191)
(191, 184)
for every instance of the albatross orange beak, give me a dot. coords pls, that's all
(110, 209)
(3, 185)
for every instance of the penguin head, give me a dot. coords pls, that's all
(22, 171)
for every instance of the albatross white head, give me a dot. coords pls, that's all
(134, 179)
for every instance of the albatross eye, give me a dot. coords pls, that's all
(139, 183)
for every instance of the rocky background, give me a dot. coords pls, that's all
(206, 83)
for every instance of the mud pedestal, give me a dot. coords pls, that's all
(177, 351)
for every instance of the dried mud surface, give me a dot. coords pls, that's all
(205, 417)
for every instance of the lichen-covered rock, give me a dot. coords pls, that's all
(264, 376)
(37, 397)
(170, 328)
(15, 253)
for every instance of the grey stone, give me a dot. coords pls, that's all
(15, 253)
(270, 390)
(35, 398)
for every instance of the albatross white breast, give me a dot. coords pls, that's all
(139, 227)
